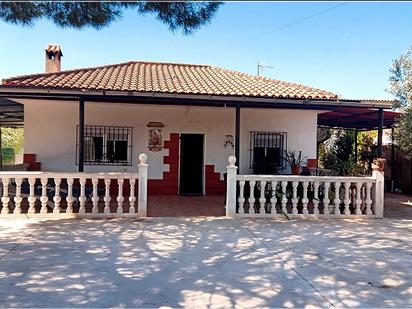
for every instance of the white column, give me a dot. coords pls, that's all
(315, 200)
(251, 199)
(284, 197)
(326, 201)
(337, 198)
(142, 198)
(107, 197)
(82, 197)
(120, 197)
(18, 198)
(295, 199)
(132, 197)
(378, 198)
(273, 199)
(231, 187)
(44, 198)
(305, 198)
(358, 200)
(95, 197)
(347, 200)
(32, 197)
(241, 198)
(56, 198)
(262, 199)
(69, 198)
(5, 199)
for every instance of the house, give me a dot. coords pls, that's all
(188, 118)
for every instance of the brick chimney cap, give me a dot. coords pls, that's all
(54, 48)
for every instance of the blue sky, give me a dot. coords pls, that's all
(347, 50)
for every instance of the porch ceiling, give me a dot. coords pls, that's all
(356, 118)
(11, 113)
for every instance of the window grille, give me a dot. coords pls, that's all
(267, 151)
(106, 145)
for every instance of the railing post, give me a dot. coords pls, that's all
(231, 187)
(143, 174)
(378, 167)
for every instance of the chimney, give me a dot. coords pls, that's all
(53, 55)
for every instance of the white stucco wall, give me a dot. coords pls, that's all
(50, 131)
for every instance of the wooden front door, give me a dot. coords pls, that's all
(191, 164)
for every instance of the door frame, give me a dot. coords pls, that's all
(203, 161)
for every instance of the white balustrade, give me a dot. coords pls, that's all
(72, 194)
(301, 196)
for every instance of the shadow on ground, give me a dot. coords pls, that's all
(205, 262)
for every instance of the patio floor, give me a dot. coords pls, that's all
(205, 263)
(185, 206)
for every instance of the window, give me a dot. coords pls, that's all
(267, 151)
(106, 145)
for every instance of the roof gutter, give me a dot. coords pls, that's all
(34, 93)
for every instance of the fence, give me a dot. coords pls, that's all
(303, 196)
(43, 194)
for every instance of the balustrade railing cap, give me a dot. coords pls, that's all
(232, 160)
(143, 158)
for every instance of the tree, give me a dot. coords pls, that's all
(401, 86)
(186, 15)
(12, 138)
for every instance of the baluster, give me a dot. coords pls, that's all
(70, 198)
(295, 199)
(252, 197)
(337, 198)
(262, 199)
(95, 197)
(315, 200)
(32, 197)
(44, 198)
(132, 197)
(368, 200)
(5, 199)
(273, 199)
(358, 200)
(57, 198)
(18, 198)
(120, 197)
(82, 197)
(107, 197)
(305, 198)
(347, 198)
(326, 200)
(284, 197)
(241, 198)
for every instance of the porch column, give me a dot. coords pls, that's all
(81, 134)
(380, 131)
(356, 145)
(237, 135)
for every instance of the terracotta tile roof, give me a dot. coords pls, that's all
(169, 78)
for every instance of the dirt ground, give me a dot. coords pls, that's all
(398, 206)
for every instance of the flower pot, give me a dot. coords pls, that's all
(295, 170)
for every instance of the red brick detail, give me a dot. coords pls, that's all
(30, 160)
(213, 183)
(170, 181)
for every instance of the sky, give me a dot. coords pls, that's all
(343, 47)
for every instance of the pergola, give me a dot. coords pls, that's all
(346, 114)
(359, 119)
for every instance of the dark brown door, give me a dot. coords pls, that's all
(191, 164)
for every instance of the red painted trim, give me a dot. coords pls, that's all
(170, 182)
(213, 183)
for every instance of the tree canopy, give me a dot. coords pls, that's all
(401, 87)
(186, 16)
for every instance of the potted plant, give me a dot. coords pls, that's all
(295, 161)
